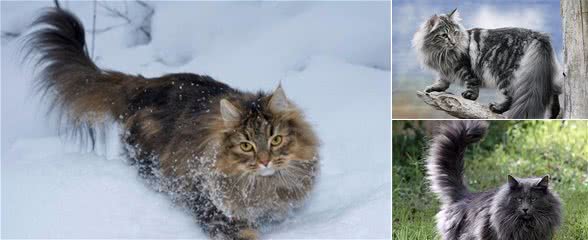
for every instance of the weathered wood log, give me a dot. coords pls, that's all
(575, 31)
(458, 106)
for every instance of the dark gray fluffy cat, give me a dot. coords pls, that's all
(523, 208)
(520, 62)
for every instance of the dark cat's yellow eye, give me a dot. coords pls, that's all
(277, 140)
(246, 147)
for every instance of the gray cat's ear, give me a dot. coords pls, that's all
(512, 182)
(454, 15)
(544, 183)
(433, 23)
(278, 101)
(229, 112)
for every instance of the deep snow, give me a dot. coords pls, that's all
(332, 59)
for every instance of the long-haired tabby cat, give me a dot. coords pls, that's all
(521, 209)
(235, 159)
(520, 62)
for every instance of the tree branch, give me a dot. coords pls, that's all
(10, 35)
(144, 24)
(113, 12)
(458, 106)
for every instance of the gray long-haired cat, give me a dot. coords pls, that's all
(523, 208)
(520, 62)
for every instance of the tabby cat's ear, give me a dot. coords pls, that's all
(454, 15)
(229, 112)
(512, 182)
(278, 101)
(544, 183)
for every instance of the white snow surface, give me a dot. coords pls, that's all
(332, 58)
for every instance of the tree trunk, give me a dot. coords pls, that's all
(575, 32)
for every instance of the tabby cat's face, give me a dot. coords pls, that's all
(264, 137)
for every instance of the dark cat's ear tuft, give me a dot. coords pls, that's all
(278, 101)
(512, 182)
(544, 183)
(229, 112)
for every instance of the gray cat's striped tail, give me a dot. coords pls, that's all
(535, 84)
(445, 166)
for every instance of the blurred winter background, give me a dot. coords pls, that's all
(407, 16)
(333, 59)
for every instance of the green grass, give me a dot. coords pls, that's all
(519, 148)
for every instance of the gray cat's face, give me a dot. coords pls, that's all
(440, 41)
(528, 196)
(445, 31)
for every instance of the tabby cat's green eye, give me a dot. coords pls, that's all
(277, 140)
(246, 147)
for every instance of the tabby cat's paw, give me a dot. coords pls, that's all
(470, 94)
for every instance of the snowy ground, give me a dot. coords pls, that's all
(331, 57)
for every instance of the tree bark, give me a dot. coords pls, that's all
(575, 32)
(458, 106)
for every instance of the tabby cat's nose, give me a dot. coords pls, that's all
(264, 161)
(264, 158)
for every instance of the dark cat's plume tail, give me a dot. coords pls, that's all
(85, 94)
(445, 166)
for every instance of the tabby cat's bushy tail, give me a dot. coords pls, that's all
(85, 94)
(536, 83)
(445, 166)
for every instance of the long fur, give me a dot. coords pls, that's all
(535, 83)
(496, 214)
(85, 95)
(521, 63)
(445, 161)
(184, 132)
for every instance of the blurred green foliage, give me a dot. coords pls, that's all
(519, 148)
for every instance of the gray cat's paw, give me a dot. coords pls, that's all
(469, 94)
(433, 88)
(497, 108)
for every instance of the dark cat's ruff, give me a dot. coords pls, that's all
(521, 209)
(520, 62)
(235, 159)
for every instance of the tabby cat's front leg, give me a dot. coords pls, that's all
(439, 86)
(217, 224)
